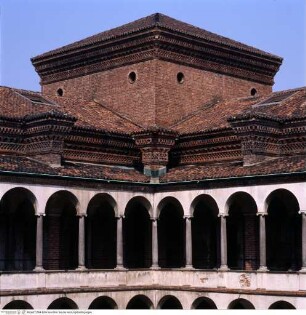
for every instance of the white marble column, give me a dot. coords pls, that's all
(262, 242)
(81, 263)
(120, 242)
(188, 242)
(303, 214)
(39, 243)
(154, 244)
(223, 244)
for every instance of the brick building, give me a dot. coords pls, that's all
(155, 169)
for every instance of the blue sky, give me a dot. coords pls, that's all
(31, 27)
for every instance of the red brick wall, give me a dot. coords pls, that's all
(157, 88)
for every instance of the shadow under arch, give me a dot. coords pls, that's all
(283, 231)
(171, 234)
(242, 232)
(169, 302)
(101, 232)
(63, 303)
(18, 230)
(18, 305)
(61, 229)
(137, 234)
(141, 302)
(205, 226)
(103, 303)
(203, 303)
(241, 304)
(281, 305)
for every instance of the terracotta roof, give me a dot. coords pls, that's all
(201, 172)
(161, 21)
(288, 104)
(23, 165)
(21, 103)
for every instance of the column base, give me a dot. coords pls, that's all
(39, 268)
(223, 268)
(262, 269)
(189, 267)
(303, 270)
(81, 268)
(120, 268)
(155, 267)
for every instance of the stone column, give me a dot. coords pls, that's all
(39, 243)
(188, 242)
(262, 242)
(81, 264)
(303, 214)
(223, 236)
(119, 243)
(154, 244)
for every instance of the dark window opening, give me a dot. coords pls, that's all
(139, 302)
(180, 77)
(132, 77)
(253, 92)
(60, 92)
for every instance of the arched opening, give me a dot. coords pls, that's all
(103, 303)
(18, 305)
(171, 234)
(203, 303)
(205, 233)
(101, 233)
(63, 304)
(17, 230)
(242, 232)
(140, 302)
(137, 235)
(170, 302)
(281, 305)
(241, 304)
(61, 232)
(283, 232)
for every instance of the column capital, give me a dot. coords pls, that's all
(120, 216)
(302, 212)
(222, 215)
(40, 214)
(262, 214)
(154, 218)
(81, 215)
(188, 217)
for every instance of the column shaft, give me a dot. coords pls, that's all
(39, 243)
(154, 244)
(81, 243)
(303, 241)
(223, 243)
(119, 243)
(262, 242)
(188, 243)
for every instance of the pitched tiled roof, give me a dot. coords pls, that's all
(289, 104)
(283, 165)
(21, 103)
(24, 165)
(160, 21)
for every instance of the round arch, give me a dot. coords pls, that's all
(242, 232)
(63, 303)
(100, 232)
(284, 231)
(61, 229)
(281, 305)
(140, 302)
(203, 303)
(241, 304)
(170, 302)
(137, 233)
(171, 234)
(18, 305)
(103, 303)
(205, 226)
(18, 230)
